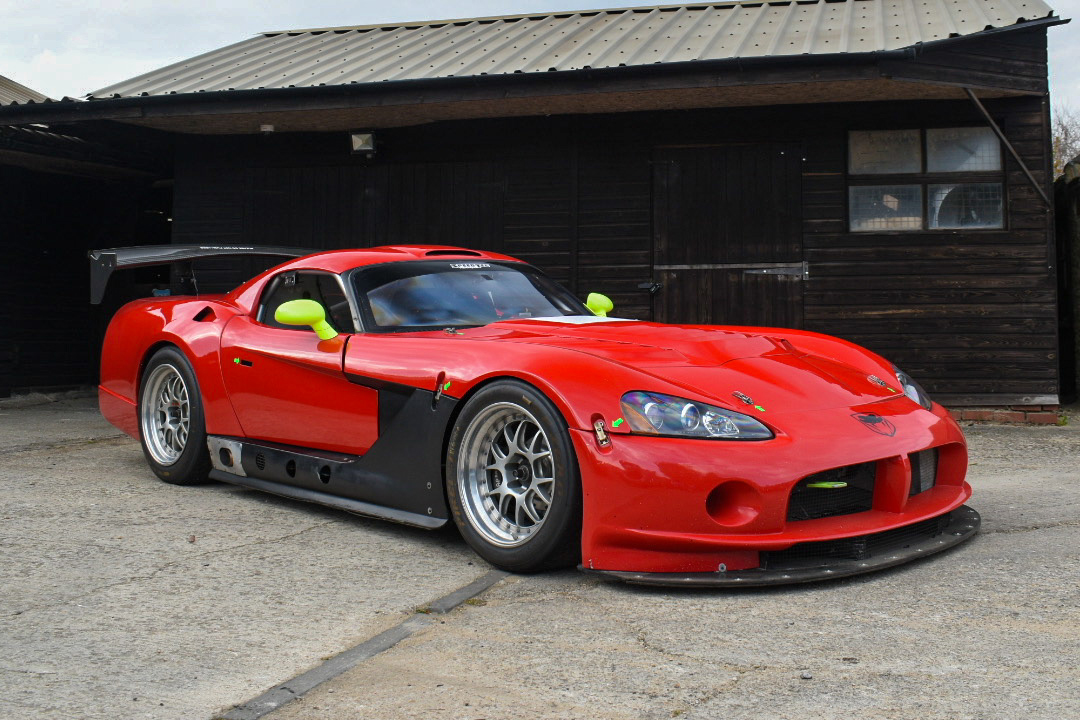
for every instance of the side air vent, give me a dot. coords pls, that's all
(260, 461)
(205, 315)
(459, 253)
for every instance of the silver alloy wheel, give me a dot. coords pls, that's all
(165, 414)
(506, 474)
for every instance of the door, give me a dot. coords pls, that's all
(289, 387)
(728, 235)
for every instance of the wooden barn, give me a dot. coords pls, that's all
(61, 195)
(874, 169)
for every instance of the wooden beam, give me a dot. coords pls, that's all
(1009, 147)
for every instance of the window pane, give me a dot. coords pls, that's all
(884, 152)
(885, 207)
(966, 205)
(962, 150)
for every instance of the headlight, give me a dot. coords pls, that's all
(657, 414)
(912, 389)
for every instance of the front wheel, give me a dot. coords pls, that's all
(171, 424)
(512, 479)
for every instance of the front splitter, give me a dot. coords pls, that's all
(962, 524)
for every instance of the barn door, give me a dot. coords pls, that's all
(728, 244)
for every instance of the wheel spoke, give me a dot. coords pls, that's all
(530, 511)
(540, 492)
(505, 500)
(517, 436)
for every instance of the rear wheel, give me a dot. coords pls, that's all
(171, 424)
(512, 479)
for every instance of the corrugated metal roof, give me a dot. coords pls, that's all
(13, 92)
(576, 40)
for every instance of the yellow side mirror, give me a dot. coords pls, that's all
(305, 312)
(600, 305)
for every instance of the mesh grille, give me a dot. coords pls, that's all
(923, 470)
(856, 548)
(857, 495)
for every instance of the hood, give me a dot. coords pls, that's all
(740, 368)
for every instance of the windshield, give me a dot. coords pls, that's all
(442, 294)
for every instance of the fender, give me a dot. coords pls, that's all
(194, 326)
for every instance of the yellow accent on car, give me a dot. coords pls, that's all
(600, 305)
(305, 312)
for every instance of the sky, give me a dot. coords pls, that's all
(70, 48)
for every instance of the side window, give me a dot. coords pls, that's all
(933, 179)
(323, 288)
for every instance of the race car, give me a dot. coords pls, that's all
(423, 383)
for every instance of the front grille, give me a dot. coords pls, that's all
(923, 470)
(854, 492)
(855, 548)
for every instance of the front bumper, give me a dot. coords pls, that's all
(828, 560)
(689, 507)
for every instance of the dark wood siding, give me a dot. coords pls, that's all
(971, 313)
(50, 335)
(1015, 60)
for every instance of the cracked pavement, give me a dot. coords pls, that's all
(124, 597)
(121, 596)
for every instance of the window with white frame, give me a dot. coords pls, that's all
(933, 179)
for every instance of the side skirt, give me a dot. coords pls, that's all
(302, 474)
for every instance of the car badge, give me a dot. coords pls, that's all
(745, 398)
(876, 423)
(877, 381)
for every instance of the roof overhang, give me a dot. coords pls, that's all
(774, 80)
(43, 151)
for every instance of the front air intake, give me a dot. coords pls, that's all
(923, 470)
(841, 491)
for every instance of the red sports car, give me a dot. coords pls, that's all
(419, 383)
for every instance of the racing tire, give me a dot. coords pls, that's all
(172, 426)
(512, 480)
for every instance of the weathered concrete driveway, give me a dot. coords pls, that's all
(124, 597)
(121, 596)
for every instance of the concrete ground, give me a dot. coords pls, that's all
(121, 596)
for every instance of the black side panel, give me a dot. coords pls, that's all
(402, 473)
(404, 468)
(334, 501)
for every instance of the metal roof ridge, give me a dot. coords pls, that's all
(546, 14)
(541, 15)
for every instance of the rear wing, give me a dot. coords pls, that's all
(104, 262)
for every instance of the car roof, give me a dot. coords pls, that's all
(338, 261)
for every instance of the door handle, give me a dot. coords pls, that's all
(652, 287)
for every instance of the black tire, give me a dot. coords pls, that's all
(172, 426)
(524, 515)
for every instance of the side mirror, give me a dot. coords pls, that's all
(600, 305)
(305, 312)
